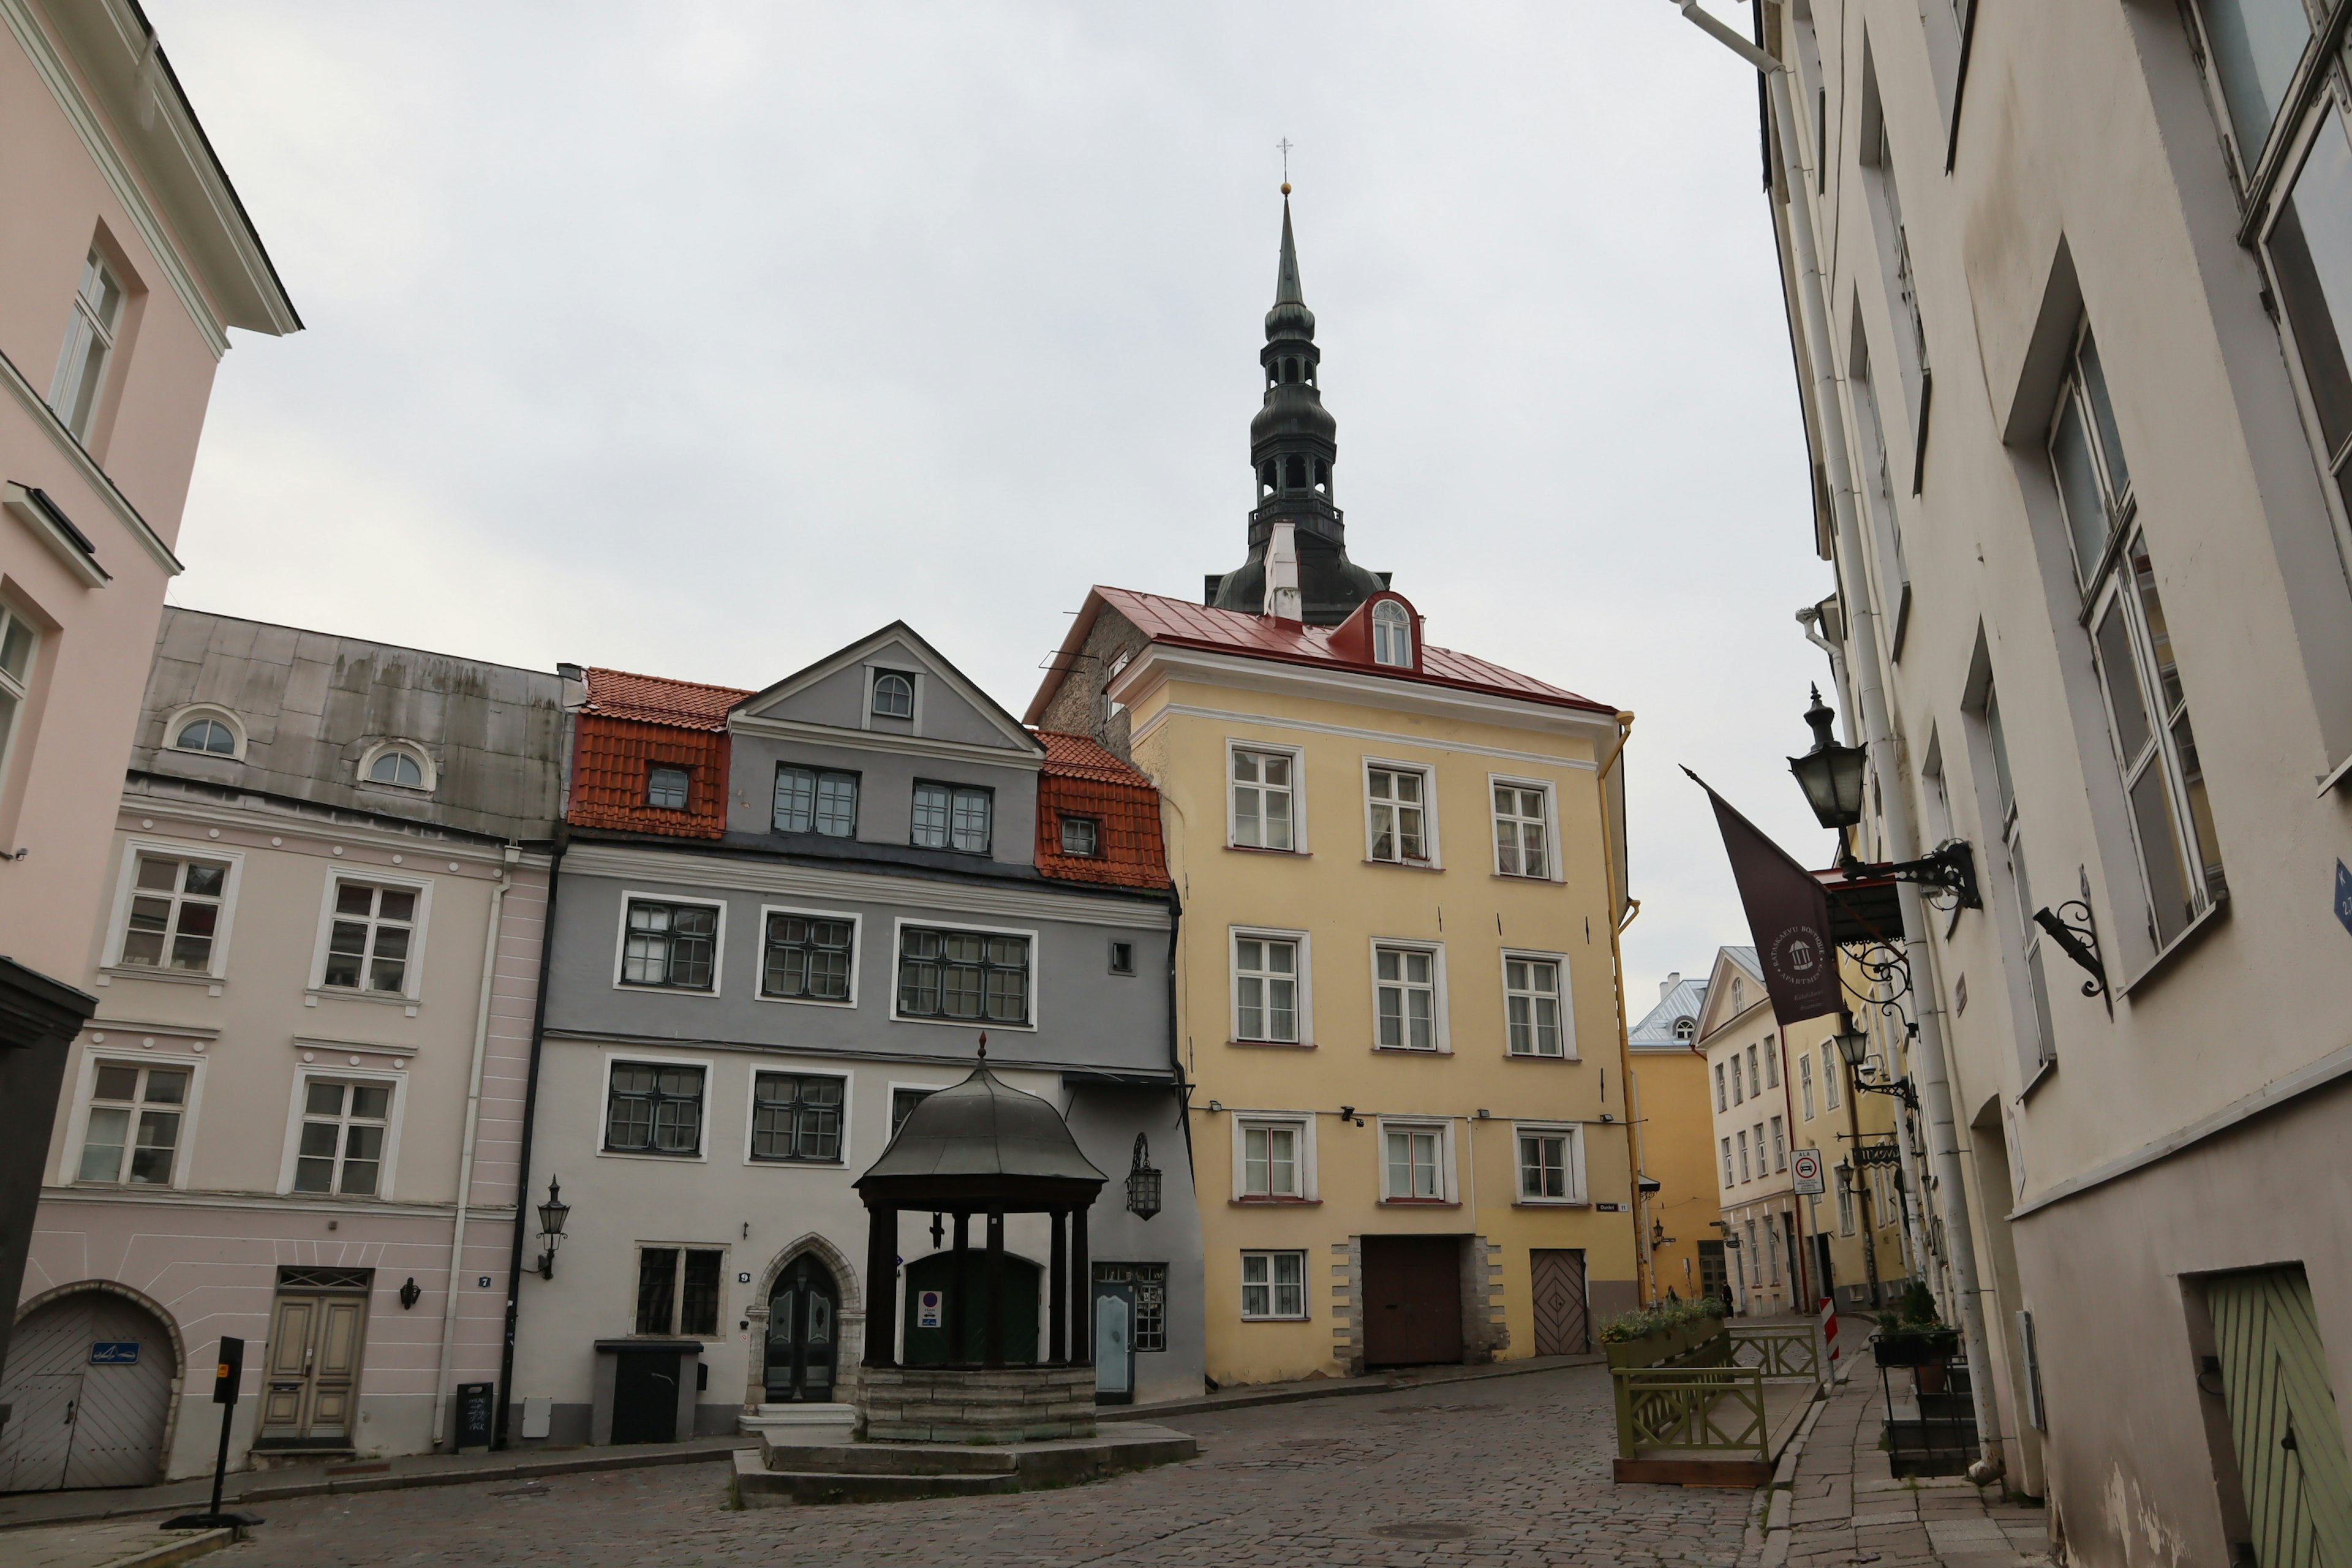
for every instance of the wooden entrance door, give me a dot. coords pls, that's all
(1563, 1311)
(1412, 1300)
(2282, 1418)
(803, 1314)
(311, 1387)
(38, 1439)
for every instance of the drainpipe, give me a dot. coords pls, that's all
(466, 1145)
(1879, 738)
(504, 1394)
(1617, 970)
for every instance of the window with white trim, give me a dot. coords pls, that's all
(1754, 1084)
(1272, 1160)
(1547, 1165)
(1392, 635)
(671, 945)
(1744, 1170)
(979, 975)
(1780, 1146)
(368, 941)
(1738, 1084)
(894, 695)
(1522, 844)
(1396, 802)
(89, 345)
(1412, 1168)
(208, 732)
(1829, 1076)
(1264, 798)
(1805, 1081)
(1150, 1332)
(133, 1133)
(816, 800)
(667, 788)
(1081, 835)
(1845, 1205)
(17, 642)
(797, 1117)
(2012, 841)
(653, 1107)
(342, 1138)
(1720, 1103)
(952, 817)
(807, 958)
(1404, 998)
(175, 913)
(902, 1105)
(1531, 1005)
(1273, 1285)
(400, 764)
(1265, 988)
(1726, 1162)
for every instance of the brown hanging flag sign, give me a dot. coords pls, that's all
(1788, 916)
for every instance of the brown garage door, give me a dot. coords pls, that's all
(1412, 1300)
(1563, 1322)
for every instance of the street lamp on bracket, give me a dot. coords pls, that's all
(1855, 1047)
(1832, 777)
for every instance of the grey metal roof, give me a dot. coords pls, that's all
(1746, 958)
(980, 1128)
(313, 705)
(1656, 1029)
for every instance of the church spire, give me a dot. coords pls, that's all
(1297, 566)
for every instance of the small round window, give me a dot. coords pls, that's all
(207, 735)
(397, 767)
(894, 697)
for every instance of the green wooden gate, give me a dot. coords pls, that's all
(2283, 1419)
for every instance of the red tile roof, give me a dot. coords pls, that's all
(1187, 625)
(1081, 779)
(633, 723)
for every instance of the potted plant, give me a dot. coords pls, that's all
(1914, 1335)
(1653, 1334)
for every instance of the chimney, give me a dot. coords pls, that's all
(1667, 986)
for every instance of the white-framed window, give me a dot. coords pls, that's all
(1846, 1208)
(668, 789)
(2254, 48)
(1772, 1065)
(1551, 1164)
(1738, 1084)
(1273, 1285)
(1720, 1102)
(894, 695)
(172, 910)
(214, 732)
(1726, 1162)
(1535, 1014)
(1273, 1157)
(904, 1098)
(655, 1106)
(2013, 842)
(403, 764)
(1399, 814)
(1829, 1076)
(982, 974)
(1805, 1082)
(1271, 991)
(1262, 797)
(342, 1136)
(1780, 1146)
(1081, 835)
(1772, 1247)
(88, 346)
(1744, 1174)
(1685, 1030)
(2311, 256)
(19, 640)
(798, 1118)
(815, 800)
(134, 1123)
(952, 817)
(671, 944)
(680, 1291)
(1523, 835)
(1408, 996)
(372, 936)
(1754, 1084)
(1392, 635)
(809, 955)
(1416, 1161)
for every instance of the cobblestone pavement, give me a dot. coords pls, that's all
(1498, 1474)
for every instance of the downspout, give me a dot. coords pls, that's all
(1617, 966)
(1878, 736)
(465, 1147)
(505, 1394)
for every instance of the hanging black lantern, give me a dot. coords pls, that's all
(1142, 1183)
(552, 1216)
(1830, 774)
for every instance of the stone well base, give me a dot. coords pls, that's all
(777, 1474)
(968, 1404)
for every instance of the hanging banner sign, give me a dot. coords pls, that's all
(1787, 918)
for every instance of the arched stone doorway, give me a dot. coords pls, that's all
(803, 1337)
(784, 1282)
(93, 1382)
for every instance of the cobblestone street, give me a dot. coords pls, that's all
(1508, 1471)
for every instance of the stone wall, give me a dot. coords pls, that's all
(970, 1405)
(1484, 1331)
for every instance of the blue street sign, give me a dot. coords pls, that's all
(2344, 895)
(114, 1352)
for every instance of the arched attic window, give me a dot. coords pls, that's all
(894, 696)
(208, 730)
(1392, 635)
(1687, 1029)
(400, 764)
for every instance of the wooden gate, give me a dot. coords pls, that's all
(1563, 1310)
(2282, 1418)
(1412, 1300)
(91, 1378)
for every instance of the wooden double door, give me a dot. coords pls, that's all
(2291, 1467)
(311, 1371)
(1412, 1300)
(89, 1380)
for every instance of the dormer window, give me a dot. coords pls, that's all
(205, 733)
(1686, 1029)
(400, 764)
(1081, 835)
(665, 789)
(1392, 635)
(894, 696)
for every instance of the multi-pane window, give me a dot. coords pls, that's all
(2254, 46)
(1906, 283)
(1274, 1283)
(1772, 1247)
(368, 941)
(1413, 1163)
(653, 1107)
(1772, 1068)
(1762, 1170)
(902, 1104)
(1150, 1330)
(2012, 839)
(1081, 835)
(1726, 1162)
(1738, 1084)
(89, 344)
(17, 639)
(679, 1291)
(796, 1116)
(1744, 1173)
(1265, 989)
(1392, 635)
(673, 945)
(1270, 1162)
(2147, 709)
(1720, 1102)
(894, 696)
(665, 788)
(2310, 249)
(1405, 999)
(1830, 1076)
(1754, 1084)
(1544, 1166)
(1519, 841)
(134, 1133)
(1531, 1005)
(951, 816)
(1805, 1082)
(807, 957)
(176, 909)
(1262, 799)
(963, 974)
(342, 1146)
(1845, 1205)
(816, 800)
(204, 733)
(1397, 801)
(1780, 1146)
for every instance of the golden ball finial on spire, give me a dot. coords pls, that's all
(1286, 187)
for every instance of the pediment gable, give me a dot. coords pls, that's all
(1726, 1001)
(890, 682)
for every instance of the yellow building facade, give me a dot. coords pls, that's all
(1395, 980)
(1674, 1150)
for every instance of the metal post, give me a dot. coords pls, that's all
(1082, 1307)
(956, 1281)
(992, 1343)
(1057, 1295)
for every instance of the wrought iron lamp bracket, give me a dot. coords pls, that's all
(2077, 936)
(1950, 871)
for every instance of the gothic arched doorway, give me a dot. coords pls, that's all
(803, 1332)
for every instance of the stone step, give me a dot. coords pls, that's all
(889, 1459)
(758, 1487)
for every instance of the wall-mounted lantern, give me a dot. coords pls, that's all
(1143, 1182)
(409, 1294)
(552, 1216)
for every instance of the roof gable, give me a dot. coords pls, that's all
(1725, 1000)
(839, 692)
(1685, 999)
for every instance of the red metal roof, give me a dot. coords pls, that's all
(1188, 625)
(1081, 779)
(631, 724)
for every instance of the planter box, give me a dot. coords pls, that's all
(1655, 1350)
(1915, 1350)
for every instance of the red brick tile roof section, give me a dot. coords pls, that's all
(1081, 779)
(1188, 625)
(633, 723)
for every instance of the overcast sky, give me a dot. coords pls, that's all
(701, 340)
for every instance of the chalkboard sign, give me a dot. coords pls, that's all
(473, 1415)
